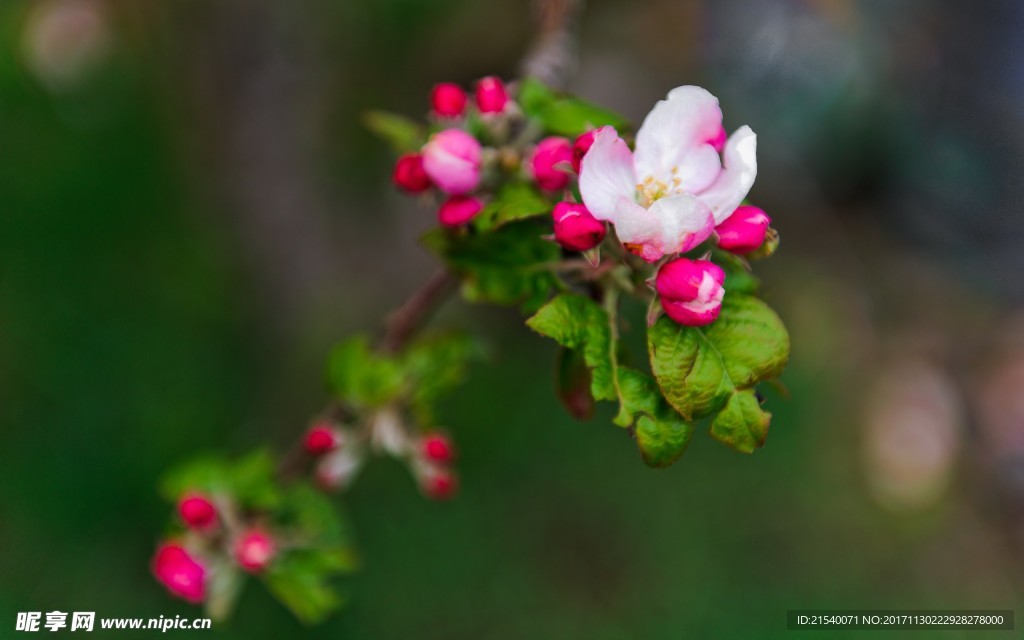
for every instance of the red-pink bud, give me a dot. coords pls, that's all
(718, 140)
(437, 448)
(448, 100)
(743, 231)
(581, 147)
(179, 572)
(409, 175)
(197, 511)
(458, 210)
(491, 96)
(439, 483)
(550, 162)
(321, 438)
(254, 550)
(575, 228)
(691, 291)
(452, 160)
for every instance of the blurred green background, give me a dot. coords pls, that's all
(191, 213)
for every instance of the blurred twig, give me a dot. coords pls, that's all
(552, 58)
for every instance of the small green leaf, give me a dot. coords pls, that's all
(222, 591)
(435, 365)
(564, 115)
(403, 134)
(511, 265)
(701, 369)
(661, 434)
(742, 424)
(577, 322)
(299, 581)
(515, 201)
(361, 377)
(738, 277)
(249, 481)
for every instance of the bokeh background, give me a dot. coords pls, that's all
(191, 213)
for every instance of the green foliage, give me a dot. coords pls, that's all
(361, 377)
(703, 370)
(435, 365)
(511, 265)
(403, 134)
(249, 481)
(576, 322)
(514, 201)
(738, 277)
(661, 434)
(564, 115)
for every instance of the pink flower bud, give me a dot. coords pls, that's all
(744, 231)
(409, 175)
(179, 572)
(491, 96)
(550, 162)
(197, 511)
(718, 140)
(575, 228)
(448, 100)
(439, 483)
(321, 438)
(437, 448)
(452, 160)
(458, 210)
(691, 291)
(581, 147)
(337, 469)
(254, 550)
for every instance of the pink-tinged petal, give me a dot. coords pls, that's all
(672, 225)
(675, 136)
(606, 174)
(691, 291)
(734, 183)
(452, 160)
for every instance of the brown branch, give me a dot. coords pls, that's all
(403, 322)
(552, 57)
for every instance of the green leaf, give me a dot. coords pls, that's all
(249, 481)
(576, 322)
(222, 591)
(564, 115)
(511, 265)
(515, 201)
(435, 365)
(403, 134)
(742, 424)
(362, 377)
(738, 277)
(661, 434)
(299, 581)
(700, 369)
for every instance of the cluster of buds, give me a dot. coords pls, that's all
(431, 462)
(464, 163)
(212, 535)
(336, 456)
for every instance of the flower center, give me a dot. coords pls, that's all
(652, 189)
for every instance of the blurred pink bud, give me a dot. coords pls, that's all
(491, 96)
(550, 162)
(409, 175)
(254, 550)
(743, 231)
(179, 572)
(581, 147)
(321, 438)
(575, 228)
(448, 100)
(439, 483)
(691, 291)
(718, 141)
(437, 447)
(452, 160)
(197, 511)
(337, 469)
(458, 210)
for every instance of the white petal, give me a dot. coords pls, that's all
(675, 135)
(606, 174)
(671, 225)
(732, 185)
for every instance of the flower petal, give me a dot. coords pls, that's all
(606, 174)
(673, 141)
(672, 225)
(732, 185)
